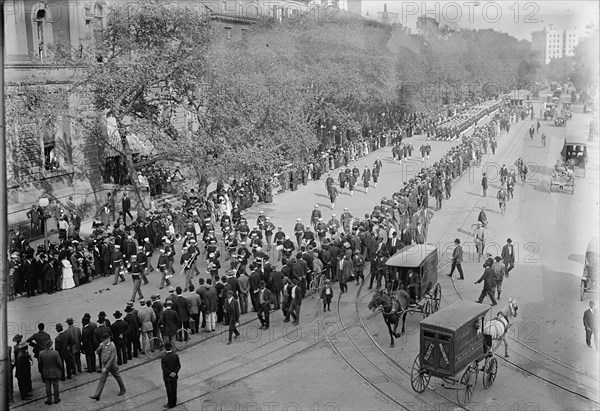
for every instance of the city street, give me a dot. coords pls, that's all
(313, 366)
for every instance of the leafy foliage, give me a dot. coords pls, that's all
(261, 103)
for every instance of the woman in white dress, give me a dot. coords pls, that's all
(67, 275)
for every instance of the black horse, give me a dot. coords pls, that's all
(393, 305)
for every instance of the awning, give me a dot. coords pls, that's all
(138, 144)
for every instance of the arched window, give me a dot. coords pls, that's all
(42, 32)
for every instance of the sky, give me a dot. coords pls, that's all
(517, 18)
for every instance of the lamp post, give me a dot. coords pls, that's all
(43, 203)
(334, 128)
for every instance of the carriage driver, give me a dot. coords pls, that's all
(413, 287)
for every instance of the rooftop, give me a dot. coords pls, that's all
(457, 314)
(412, 255)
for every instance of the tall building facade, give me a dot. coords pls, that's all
(551, 43)
(47, 156)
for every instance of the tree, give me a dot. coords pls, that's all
(586, 70)
(146, 64)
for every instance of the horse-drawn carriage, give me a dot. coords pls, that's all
(560, 121)
(418, 289)
(589, 279)
(457, 340)
(549, 111)
(566, 111)
(563, 178)
(575, 155)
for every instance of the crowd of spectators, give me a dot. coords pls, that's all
(340, 252)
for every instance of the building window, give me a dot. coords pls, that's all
(49, 134)
(50, 158)
(94, 19)
(42, 36)
(228, 33)
(229, 5)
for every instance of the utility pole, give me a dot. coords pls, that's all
(5, 370)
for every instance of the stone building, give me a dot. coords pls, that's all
(46, 156)
(57, 157)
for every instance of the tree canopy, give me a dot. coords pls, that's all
(264, 102)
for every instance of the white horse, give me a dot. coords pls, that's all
(496, 329)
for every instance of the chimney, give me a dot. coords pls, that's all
(385, 7)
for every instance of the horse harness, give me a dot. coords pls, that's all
(393, 311)
(503, 318)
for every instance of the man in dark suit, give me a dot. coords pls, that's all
(120, 332)
(75, 333)
(508, 256)
(126, 204)
(134, 323)
(457, 258)
(233, 311)
(489, 284)
(277, 279)
(265, 298)
(394, 243)
(38, 342)
(51, 370)
(170, 368)
(590, 322)
(169, 321)
(254, 285)
(90, 342)
(295, 302)
(63, 342)
(182, 306)
(406, 236)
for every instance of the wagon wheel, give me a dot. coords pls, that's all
(582, 289)
(419, 379)
(437, 298)
(468, 381)
(490, 369)
(427, 308)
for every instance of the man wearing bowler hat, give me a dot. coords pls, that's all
(170, 365)
(508, 256)
(457, 258)
(120, 333)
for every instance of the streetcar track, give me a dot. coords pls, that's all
(525, 370)
(358, 372)
(540, 366)
(529, 360)
(400, 365)
(146, 360)
(192, 376)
